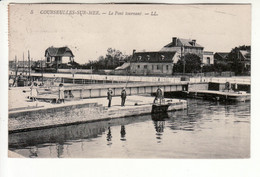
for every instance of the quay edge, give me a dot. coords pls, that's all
(80, 113)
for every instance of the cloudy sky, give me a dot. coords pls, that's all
(216, 27)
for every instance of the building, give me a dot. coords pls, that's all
(56, 56)
(244, 58)
(221, 58)
(161, 62)
(184, 46)
(208, 58)
(153, 63)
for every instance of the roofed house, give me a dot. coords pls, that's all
(55, 55)
(221, 57)
(244, 58)
(161, 62)
(153, 63)
(184, 46)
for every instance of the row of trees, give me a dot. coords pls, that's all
(111, 60)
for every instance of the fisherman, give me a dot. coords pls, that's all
(123, 97)
(109, 96)
(61, 93)
(159, 95)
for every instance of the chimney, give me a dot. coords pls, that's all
(134, 51)
(193, 42)
(174, 41)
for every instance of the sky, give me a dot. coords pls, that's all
(218, 28)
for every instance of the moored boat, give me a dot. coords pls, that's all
(169, 105)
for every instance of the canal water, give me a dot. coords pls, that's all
(205, 130)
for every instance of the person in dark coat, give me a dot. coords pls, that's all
(109, 97)
(159, 95)
(123, 97)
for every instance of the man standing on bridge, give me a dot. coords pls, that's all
(123, 97)
(109, 96)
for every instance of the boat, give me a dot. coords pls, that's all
(169, 105)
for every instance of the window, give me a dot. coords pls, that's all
(138, 66)
(48, 60)
(167, 67)
(208, 60)
(145, 66)
(162, 57)
(148, 57)
(157, 67)
(152, 67)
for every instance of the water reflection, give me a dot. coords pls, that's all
(70, 133)
(60, 149)
(159, 128)
(33, 152)
(201, 126)
(109, 137)
(123, 133)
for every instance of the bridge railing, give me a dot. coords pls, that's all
(123, 79)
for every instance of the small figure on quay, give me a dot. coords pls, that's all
(61, 93)
(34, 91)
(228, 86)
(159, 95)
(123, 97)
(109, 96)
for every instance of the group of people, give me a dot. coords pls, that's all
(34, 93)
(110, 94)
(159, 98)
(35, 90)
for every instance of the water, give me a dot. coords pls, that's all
(205, 130)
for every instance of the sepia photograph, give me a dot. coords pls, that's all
(134, 81)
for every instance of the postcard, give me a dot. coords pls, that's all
(129, 81)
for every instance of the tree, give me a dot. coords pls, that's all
(220, 67)
(113, 59)
(192, 64)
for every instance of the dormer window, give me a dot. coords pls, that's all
(148, 57)
(139, 58)
(162, 57)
